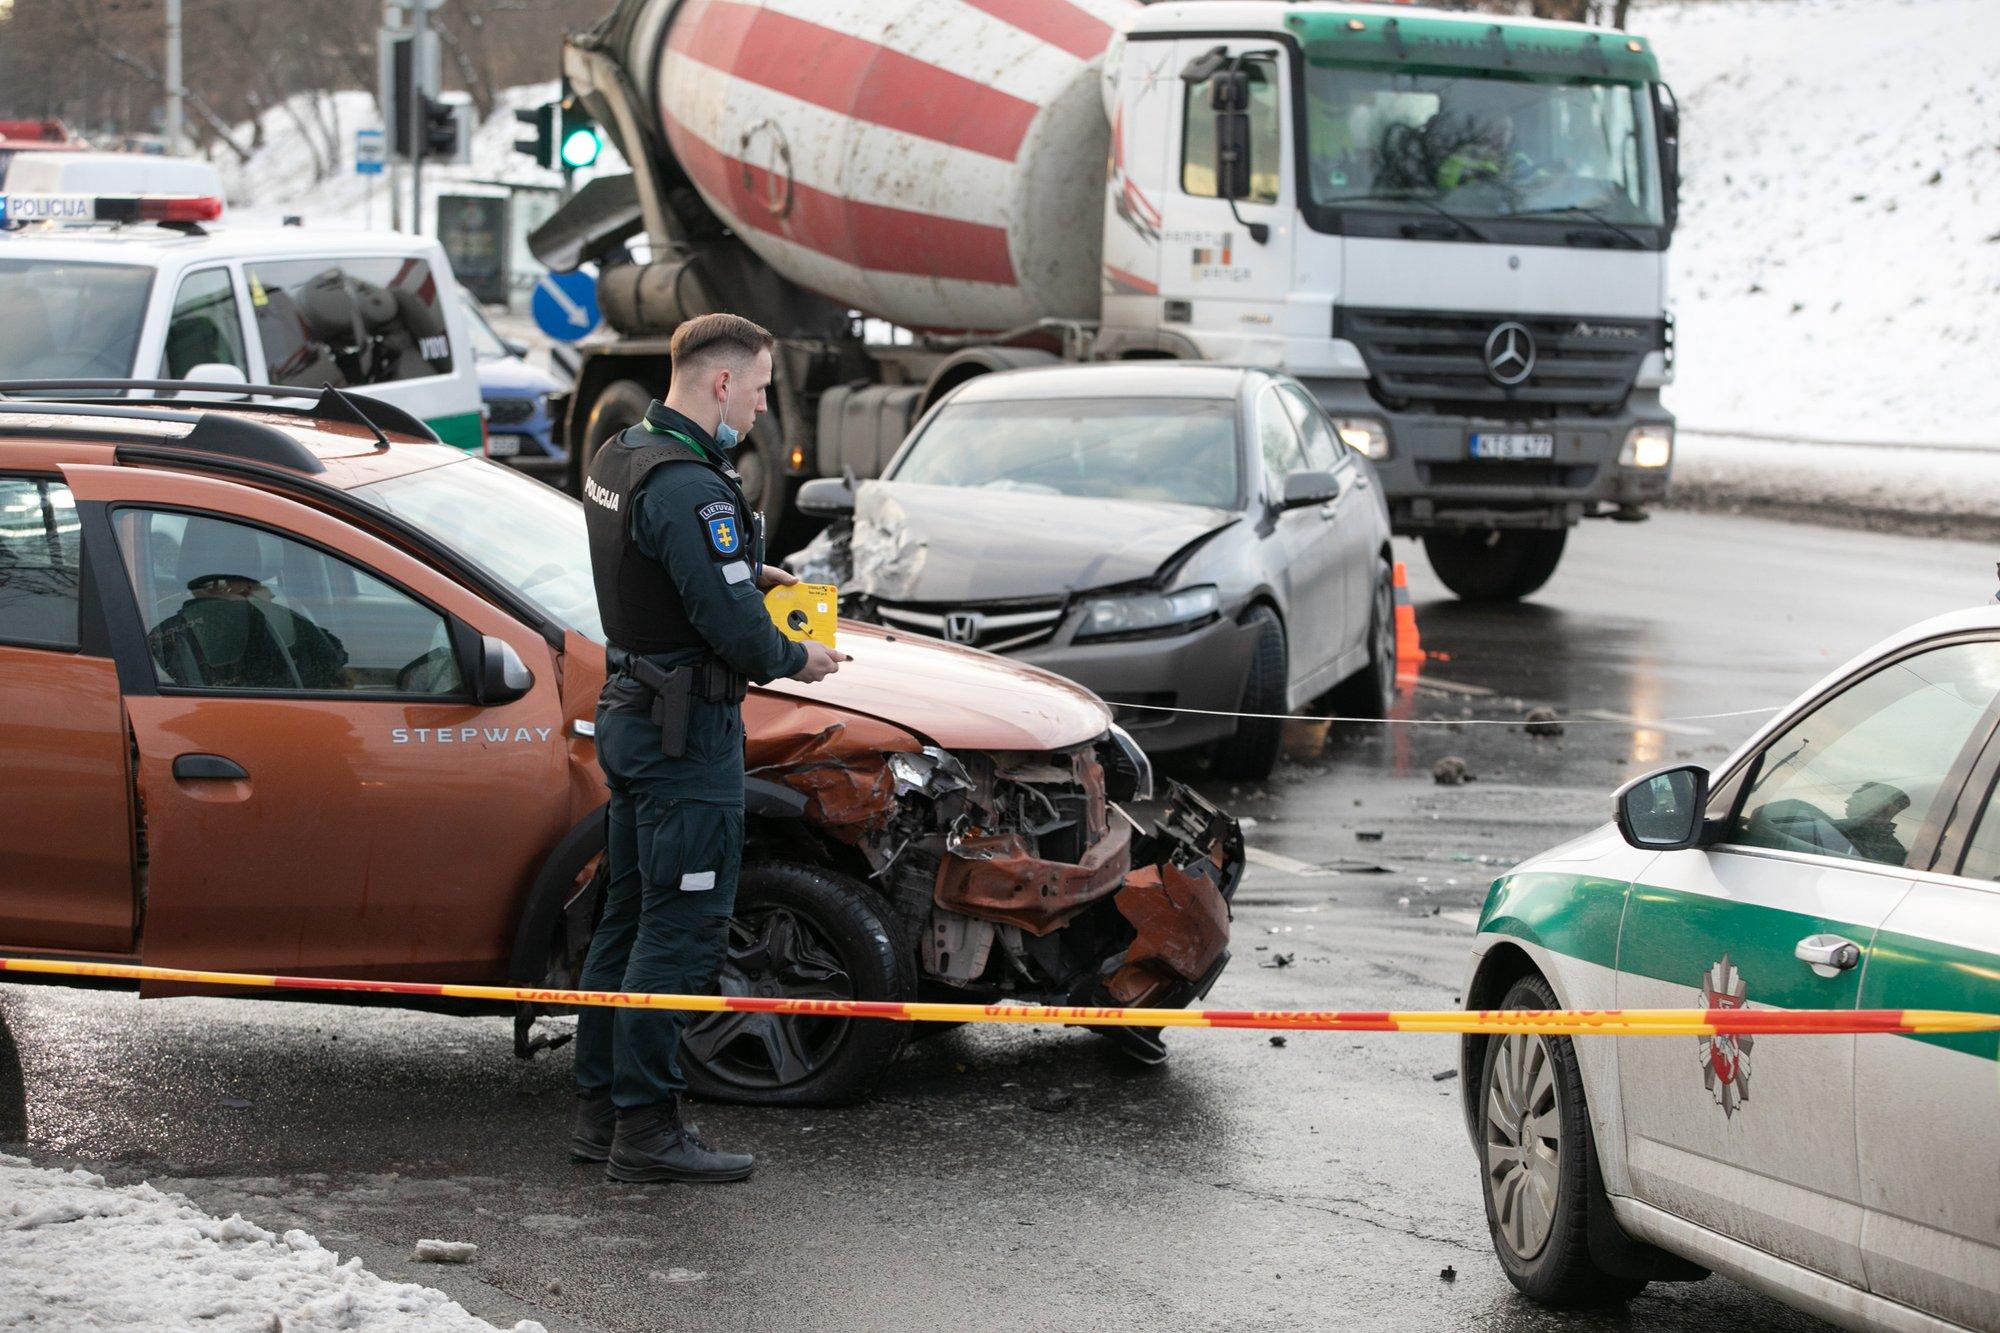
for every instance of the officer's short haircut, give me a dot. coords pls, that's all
(707, 338)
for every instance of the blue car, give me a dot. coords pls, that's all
(516, 394)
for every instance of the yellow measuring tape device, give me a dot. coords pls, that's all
(1491, 1022)
(804, 610)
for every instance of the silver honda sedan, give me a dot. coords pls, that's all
(1187, 541)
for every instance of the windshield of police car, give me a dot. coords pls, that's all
(1480, 146)
(526, 535)
(1172, 449)
(70, 320)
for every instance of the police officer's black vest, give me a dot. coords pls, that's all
(636, 599)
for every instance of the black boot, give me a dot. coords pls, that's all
(590, 1133)
(652, 1144)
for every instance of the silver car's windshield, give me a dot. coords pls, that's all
(70, 320)
(1174, 449)
(1480, 146)
(527, 535)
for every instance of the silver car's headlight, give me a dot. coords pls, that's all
(1149, 613)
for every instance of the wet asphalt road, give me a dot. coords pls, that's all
(1325, 1182)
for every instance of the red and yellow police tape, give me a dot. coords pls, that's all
(1553, 1022)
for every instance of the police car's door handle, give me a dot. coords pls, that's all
(1828, 955)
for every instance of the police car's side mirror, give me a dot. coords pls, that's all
(218, 372)
(826, 497)
(1664, 811)
(499, 675)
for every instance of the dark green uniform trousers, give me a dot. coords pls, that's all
(675, 844)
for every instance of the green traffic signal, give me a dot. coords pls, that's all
(580, 146)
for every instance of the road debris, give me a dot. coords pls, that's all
(1368, 835)
(1447, 1274)
(1543, 722)
(1278, 1042)
(444, 1252)
(1444, 1075)
(1052, 1102)
(1450, 771)
(1278, 960)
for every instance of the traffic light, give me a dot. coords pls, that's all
(581, 140)
(540, 140)
(440, 129)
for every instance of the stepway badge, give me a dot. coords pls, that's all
(19, 208)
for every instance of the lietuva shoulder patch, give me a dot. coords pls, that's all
(725, 530)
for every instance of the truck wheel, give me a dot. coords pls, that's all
(620, 406)
(1253, 751)
(1538, 1163)
(1495, 566)
(803, 933)
(1371, 691)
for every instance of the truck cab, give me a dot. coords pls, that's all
(1451, 229)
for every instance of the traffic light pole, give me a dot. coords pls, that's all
(420, 12)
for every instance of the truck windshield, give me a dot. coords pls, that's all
(70, 320)
(1480, 146)
(1174, 449)
(526, 535)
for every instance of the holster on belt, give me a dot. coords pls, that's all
(673, 690)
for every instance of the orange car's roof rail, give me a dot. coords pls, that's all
(329, 403)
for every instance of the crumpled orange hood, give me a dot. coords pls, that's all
(958, 698)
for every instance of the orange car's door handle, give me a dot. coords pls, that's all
(210, 766)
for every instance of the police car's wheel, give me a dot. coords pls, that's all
(1499, 566)
(1539, 1161)
(804, 933)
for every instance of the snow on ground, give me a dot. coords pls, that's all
(78, 1253)
(1836, 273)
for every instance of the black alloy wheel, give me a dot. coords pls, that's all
(800, 932)
(1501, 565)
(1371, 691)
(1252, 752)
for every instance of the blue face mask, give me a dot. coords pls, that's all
(727, 435)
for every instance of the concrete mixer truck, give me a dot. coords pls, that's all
(1451, 227)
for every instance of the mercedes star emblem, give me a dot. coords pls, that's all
(1510, 354)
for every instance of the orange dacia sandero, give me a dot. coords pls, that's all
(300, 690)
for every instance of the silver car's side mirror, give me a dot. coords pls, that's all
(1309, 488)
(826, 497)
(1664, 811)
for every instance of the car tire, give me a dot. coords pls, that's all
(1539, 1205)
(1496, 565)
(804, 931)
(1252, 752)
(621, 405)
(1371, 691)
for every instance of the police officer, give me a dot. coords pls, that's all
(677, 554)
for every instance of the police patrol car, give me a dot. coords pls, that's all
(138, 287)
(1847, 857)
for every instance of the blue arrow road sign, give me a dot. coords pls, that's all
(565, 304)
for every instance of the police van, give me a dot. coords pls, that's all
(138, 287)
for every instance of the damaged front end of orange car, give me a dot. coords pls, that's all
(1020, 875)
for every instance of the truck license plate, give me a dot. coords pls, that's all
(1513, 444)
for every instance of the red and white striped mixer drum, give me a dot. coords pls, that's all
(935, 163)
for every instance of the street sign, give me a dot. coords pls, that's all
(369, 149)
(565, 304)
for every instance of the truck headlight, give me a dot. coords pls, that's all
(1648, 447)
(1364, 435)
(1149, 613)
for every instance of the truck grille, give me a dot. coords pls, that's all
(1438, 360)
(1485, 473)
(996, 626)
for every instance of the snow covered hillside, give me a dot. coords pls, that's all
(1837, 266)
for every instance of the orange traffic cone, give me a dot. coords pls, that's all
(1409, 644)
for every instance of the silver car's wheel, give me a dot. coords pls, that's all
(1523, 1143)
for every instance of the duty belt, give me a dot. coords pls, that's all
(672, 690)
